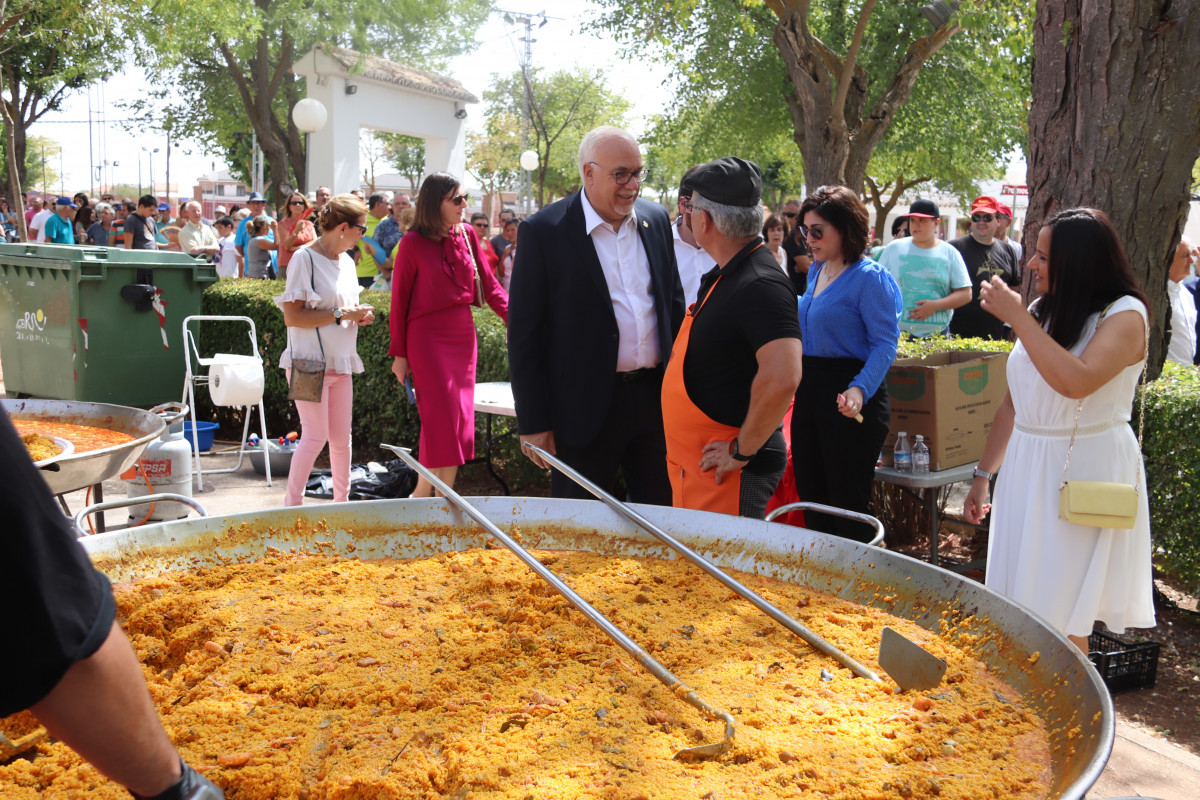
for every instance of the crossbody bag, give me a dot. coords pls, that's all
(307, 378)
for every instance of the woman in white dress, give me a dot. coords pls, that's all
(1081, 347)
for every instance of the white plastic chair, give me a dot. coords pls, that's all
(199, 372)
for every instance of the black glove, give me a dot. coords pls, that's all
(190, 786)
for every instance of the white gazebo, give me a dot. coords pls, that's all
(361, 91)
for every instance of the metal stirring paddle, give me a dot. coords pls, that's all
(677, 687)
(905, 667)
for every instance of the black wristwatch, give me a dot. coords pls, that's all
(735, 455)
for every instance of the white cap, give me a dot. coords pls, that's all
(219, 210)
(900, 433)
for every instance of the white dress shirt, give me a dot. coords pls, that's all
(1183, 324)
(693, 263)
(627, 273)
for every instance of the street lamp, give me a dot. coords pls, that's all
(309, 115)
(150, 157)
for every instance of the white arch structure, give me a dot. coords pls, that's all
(361, 91)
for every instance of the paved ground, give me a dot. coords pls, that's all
(1141, 765)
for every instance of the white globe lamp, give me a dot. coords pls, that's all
(529, 160)
(309, 115)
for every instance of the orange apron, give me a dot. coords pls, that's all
(688, 430)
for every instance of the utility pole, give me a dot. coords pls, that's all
(525, 188)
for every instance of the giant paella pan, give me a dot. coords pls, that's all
(88, 466)
(1043, 674)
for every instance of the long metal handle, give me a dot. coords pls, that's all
(745, 592)
(87, 511)
(835, 512)
(648, 661)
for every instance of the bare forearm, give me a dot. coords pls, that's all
(102, 710)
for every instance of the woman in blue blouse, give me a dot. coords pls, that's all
(849, 321)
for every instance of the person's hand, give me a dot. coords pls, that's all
(850, 403)
(716, 455)
(921, 310)
(1000, 301)
(544, 440)
(400, 368)
(976, 506)
(366, 314)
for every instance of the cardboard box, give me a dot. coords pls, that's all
(950, 399)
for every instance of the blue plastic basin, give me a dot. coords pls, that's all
(204, 431)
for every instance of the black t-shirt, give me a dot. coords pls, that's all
(63, 606)
(794, 245)
(983, 261)
(753, 304)
(143, 231)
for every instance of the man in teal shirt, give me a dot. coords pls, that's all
(60, 229)
(932, 275)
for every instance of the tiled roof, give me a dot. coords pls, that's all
(381, 69)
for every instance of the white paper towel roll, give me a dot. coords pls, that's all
(235, 380)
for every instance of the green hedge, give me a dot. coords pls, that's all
(382, 413)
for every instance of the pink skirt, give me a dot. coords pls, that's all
(442, 351)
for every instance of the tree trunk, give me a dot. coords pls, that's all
(884, 207)
(1113, 126)
(15, 180)
(835, 140)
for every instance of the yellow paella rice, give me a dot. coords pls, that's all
(464, 676)
(40, 447)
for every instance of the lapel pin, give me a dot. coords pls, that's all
(645, 224)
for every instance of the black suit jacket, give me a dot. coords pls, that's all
(562, 331)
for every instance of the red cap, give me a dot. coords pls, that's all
(986, 204)
(1005, 211)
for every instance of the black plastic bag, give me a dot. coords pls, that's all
(386, 480)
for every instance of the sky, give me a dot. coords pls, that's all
(559, 44)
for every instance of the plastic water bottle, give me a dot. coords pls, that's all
(902, 453)
(920, 455)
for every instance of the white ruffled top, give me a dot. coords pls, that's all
(322, 282)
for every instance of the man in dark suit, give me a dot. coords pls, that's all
(595, 303)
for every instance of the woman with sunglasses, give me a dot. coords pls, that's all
(322, 313)
(432, 328)
(850, 322)
(294, 231)
(479, 222)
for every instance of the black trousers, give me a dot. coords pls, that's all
(834, 456)
(631, 441)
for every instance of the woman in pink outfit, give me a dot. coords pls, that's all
(432, 329)
(322, 313)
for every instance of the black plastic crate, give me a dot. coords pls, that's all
(1123, 665)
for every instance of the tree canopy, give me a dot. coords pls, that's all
(564, 105)
(231, 63)
(840, 79)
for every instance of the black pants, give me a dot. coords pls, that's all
(834, 456)
(631, 440)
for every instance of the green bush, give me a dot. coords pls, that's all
(382, 413)
(1171, 446)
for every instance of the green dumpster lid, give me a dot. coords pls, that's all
(76, 254)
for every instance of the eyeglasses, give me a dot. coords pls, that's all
(297, 203)
(480, 224)
(790, 214)
(981, 218)
(816, 232)
(362, 229)
(687, 206)
(460, 199)
(624, 176)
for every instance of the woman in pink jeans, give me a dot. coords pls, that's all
(322, 313)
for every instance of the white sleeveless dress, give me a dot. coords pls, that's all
(1071, 574)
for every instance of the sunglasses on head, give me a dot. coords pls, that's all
(982, 217)
(816, 232)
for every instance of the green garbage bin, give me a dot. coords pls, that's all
(96, 324)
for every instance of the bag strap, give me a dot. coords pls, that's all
(1141, 413)
(312, 268)
(462, 229)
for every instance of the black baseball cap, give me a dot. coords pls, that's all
(926, 209)
(730, 181)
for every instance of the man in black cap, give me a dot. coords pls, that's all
(594, 305)
(932, 275)
(736, 362)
